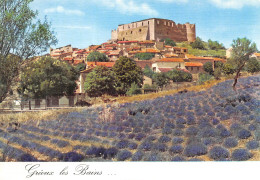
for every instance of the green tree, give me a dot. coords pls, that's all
(169, 42)
(80, 67)
(22, 35)
(217, 73)
(253, 65)
(179, 76)
(242, 49)
(198, 44)
(161, 79)
(203, 77)
(215, 45)
(48, 77)
(134, 89)
(144, 56)
(127, 72)
(148, 72)
(228, 69)
(97, 57)
(218, 64)
(208, 67)
(100, 81)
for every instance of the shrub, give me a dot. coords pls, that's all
(144, 56)
(252, 127)
(139, 136)
(27, 158)
(122, 144)
(177, 140)
(197, 149)
(230, 142)
(134, 89)
(110, 153)
(208, 141)
(192, 131)
(203, 77)
(72, 157)
(225, 133)
(161, 147)
(252, 145)
(164, 139)
(241, 155)
(176, 149)
(166, 130)
(137, 156)
(178, 158)
(131, 136)
(180, 121)
(178, 132)
(215, 122)
(147, 146)
(218, 153)
(244, 134)
(151, 138)
(208, 67)
(124, 155)
(132, 145)
(152, 157)
(208, 132)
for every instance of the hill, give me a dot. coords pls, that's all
(198, 52)
(215, 124)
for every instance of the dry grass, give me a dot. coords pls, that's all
(142, 97)
(35, 115)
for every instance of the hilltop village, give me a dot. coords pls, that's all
(147, 37)
(144, 36)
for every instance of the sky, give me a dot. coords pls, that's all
(85, 22)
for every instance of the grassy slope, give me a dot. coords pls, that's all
(198, 52)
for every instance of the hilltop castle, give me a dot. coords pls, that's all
(154, 29)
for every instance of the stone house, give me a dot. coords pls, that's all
(194, 67)
(167, 64)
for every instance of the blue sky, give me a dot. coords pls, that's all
(85, 22)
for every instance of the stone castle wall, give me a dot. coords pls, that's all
(155, 29)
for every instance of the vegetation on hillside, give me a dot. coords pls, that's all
(144, 56)
(204, 51)
(22, 36)
(97, 57)
(48, 77)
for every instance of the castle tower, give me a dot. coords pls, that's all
(191, 32)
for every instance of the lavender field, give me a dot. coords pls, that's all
(214, 125)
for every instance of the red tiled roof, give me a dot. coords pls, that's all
(165, 69)
(94, 47)
(68, 58)
(111, 45)
(55, 55)
(171, 55)
(114, 53)
(178, 48)
(109, 48)
(146, 42)
(152, 51)
(171, 60)
(193, 64)
(257, 54)
(132, 52)
(78, 61)
(168, 46)
(121, 42)
(106, 64)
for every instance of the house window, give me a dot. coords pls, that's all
(192, 68)
(172, 24)
(148, 22)
(142, 23)
(154, 69)
(126, 33)
(179, 64)
(131, 32)
(140, 30)
(165, 23)
(168, 23)
(198, 68)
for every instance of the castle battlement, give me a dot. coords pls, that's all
(155, 29)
